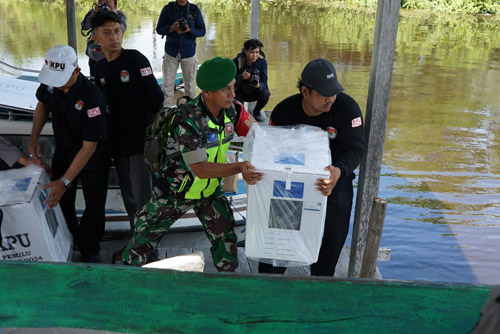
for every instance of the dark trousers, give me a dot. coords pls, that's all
(135, 179)
(338, 214)
(89, 232)
(262, 97)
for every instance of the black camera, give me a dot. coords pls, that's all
(183, 24)
(254, 77)
(103, 6)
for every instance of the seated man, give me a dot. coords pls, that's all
(251, 77)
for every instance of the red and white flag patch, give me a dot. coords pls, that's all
(93, 112)
(356, 122)
(146, 71)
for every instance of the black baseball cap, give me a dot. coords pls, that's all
(320, 75)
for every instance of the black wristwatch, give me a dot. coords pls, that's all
(67, 183)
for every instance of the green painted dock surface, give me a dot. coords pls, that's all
(137, 300)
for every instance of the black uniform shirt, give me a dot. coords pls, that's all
(343, 122)
(78, 115)
(133, 95)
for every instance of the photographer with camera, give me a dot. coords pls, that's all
(251, 77)
(93, 50)
(181, 21)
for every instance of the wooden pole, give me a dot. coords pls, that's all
(71, 23)
(376, 225)
(254, 19)
(384, 44)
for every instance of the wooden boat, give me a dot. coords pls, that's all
(137, 300)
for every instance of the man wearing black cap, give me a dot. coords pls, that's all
(201, 133)
(322, 103)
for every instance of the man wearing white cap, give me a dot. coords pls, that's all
(78, 110)
(322, 103)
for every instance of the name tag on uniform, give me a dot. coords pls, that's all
(93, 112)
(146, 71)
(356, 122)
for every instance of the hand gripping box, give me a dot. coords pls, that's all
(285, 212)
(29, 230)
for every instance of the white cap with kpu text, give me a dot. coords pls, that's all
(60, 62)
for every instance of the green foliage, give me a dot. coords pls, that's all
(455, 6)
(449, 6)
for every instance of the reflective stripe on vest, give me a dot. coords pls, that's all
(217, 144)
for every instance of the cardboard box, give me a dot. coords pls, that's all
(230, 183)
(30, 231)
(285, 212)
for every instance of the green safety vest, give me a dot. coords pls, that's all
(217, 143)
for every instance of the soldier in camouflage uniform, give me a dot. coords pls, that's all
(192, 179)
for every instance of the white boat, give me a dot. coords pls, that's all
(17, 106)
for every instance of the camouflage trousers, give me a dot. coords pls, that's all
(155, 218)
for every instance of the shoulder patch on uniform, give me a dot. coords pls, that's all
(356, 122)
(146, 71)
(94, 112)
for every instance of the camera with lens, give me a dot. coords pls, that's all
(103, 6)
(254, 76)
(183, 25)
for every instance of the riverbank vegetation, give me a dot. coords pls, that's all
(444, 6)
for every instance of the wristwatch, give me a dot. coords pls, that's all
(67, 183)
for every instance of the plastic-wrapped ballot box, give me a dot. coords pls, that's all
(29, 230)
(285, 212)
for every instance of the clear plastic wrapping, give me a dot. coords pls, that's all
(285, 212)
(29, 230)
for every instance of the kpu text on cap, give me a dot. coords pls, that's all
(320, 75)
(60, 62)
(215, 74)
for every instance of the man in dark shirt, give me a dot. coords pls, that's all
(134, 96)
(181, 22)
(79, 122)
(94, 49)
(322, 103)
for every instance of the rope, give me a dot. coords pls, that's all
(232, 204)
(18, 68)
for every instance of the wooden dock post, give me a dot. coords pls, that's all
(254, 19)
(376, 225)
(71, 23)
(377, 106)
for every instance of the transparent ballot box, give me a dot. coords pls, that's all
(285, 212)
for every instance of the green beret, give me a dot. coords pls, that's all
(215, 74)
